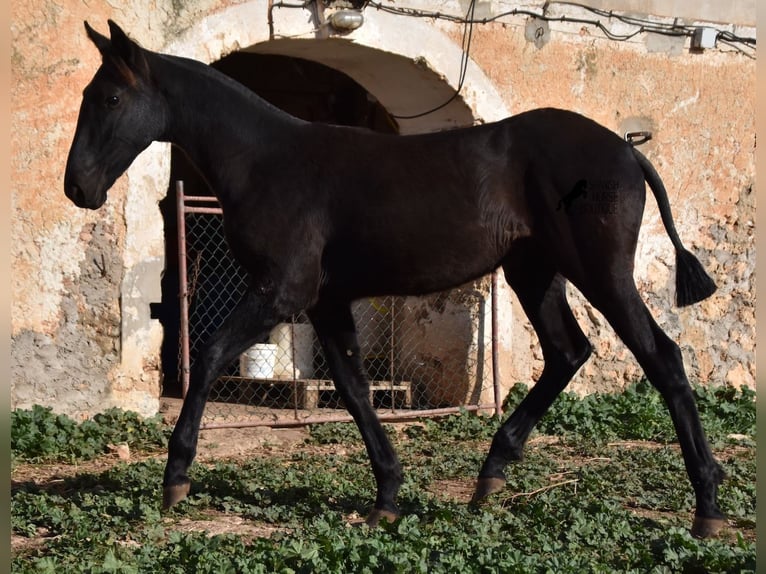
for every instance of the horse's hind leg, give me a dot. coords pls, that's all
(249, 322)
(662, 363)
(565, 348)
(335, 329)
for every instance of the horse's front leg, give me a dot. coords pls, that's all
(250, 321)
(335, 329)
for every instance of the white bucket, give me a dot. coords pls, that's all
(302, 335)
(258, 361)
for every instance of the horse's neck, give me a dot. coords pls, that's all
(217, 121)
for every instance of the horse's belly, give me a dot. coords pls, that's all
(402, 267)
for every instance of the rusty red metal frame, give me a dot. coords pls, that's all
(209, 205)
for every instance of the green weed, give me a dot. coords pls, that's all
(597, 500)
(38, 434)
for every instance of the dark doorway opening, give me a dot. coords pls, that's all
(303, 88)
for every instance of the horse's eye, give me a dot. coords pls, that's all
(112, 101)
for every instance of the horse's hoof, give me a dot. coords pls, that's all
(485, 487)
(707, 527)
(172, 495)
(376, 515)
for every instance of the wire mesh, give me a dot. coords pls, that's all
(423, 355)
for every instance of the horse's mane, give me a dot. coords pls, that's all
(226, 82)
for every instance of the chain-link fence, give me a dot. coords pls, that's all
(423, 355)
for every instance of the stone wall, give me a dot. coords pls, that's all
(82, 282)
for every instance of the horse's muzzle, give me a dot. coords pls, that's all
(81, 199)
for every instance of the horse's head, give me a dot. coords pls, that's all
(121, 113)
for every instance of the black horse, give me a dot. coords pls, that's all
(320, 215)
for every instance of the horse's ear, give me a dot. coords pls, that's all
(102, 42)
(128, 51)
(122, 44)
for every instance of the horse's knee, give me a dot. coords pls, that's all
(585, 351)
(578, 355)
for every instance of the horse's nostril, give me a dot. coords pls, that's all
(83, 198)
(74, 192)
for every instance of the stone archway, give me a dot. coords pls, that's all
(407, 64)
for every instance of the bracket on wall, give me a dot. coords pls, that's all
(637, 138)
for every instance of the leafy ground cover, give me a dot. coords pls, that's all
(602, 489)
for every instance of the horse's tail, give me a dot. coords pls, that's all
(692, 282)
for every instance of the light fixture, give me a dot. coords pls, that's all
(346, 20)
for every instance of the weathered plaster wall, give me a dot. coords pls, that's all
(82, 339)
(700, 108)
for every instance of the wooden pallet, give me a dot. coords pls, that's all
(309, 392)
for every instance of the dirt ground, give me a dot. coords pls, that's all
(241, 444)
(214, 444)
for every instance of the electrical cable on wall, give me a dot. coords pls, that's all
(742, 44)
(464, 59)
(643, 25)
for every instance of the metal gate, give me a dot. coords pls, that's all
(285, 381)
